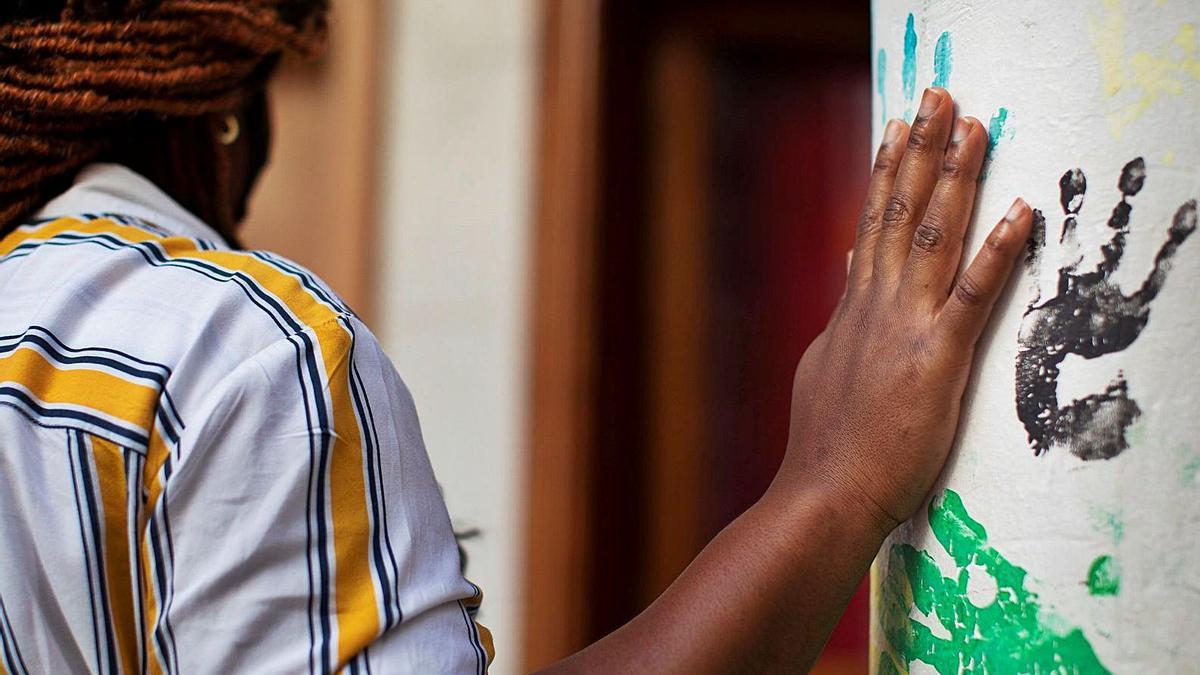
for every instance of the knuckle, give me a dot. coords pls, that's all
(930, 236)
(868, 222)
(953, 169)
(969, 291)
(920, 138)
(898, 211)
(885, 161)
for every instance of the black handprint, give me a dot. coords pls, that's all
(1090, 317)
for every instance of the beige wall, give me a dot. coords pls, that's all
(457, 155)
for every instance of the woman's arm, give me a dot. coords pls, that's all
(875, 405)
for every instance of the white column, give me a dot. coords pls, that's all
(1065, 533)
(456, 166)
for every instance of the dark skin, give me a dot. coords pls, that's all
(212, 161)
(875, 406)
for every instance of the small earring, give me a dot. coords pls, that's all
(230, 131)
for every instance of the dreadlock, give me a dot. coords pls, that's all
(75, 75)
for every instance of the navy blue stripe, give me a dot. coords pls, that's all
(134, 468)
(480, 656)
(46, 332)
(160, 587)
(376, 473)
(157, 258)
(306, 280)
(170, 580)
(72, 441)
(385, 581)
(168, 429)
(12, 651)
(157, 378)
(89, 493)
(54, 413)
(308, 500)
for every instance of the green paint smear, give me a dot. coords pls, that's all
(941, 61)
(996, 130)
(880, 84)
(909, 72)
(1012, 634)
(1103, 576)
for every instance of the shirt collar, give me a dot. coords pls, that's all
(112, 188)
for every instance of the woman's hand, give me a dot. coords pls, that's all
(875, 407)
(876, 398)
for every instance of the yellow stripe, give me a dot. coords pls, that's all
(114, 495)
(489, 646)
(97, 390)
(357, 611)
(357, 627)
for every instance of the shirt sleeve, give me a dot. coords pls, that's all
(299, 527)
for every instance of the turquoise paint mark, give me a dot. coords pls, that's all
(941, 61)
(996, 130)
(910, 58)
(1113, 523)
(909, 73)
(880, 84)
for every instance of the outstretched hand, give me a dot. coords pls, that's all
(874, 409)
(876, 397)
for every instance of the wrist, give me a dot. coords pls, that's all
(819, 499)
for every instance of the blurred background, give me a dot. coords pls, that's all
(595, 236)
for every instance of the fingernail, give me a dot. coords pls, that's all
(929, 102)
(891, 132)
(962, 129)
(1015, 211)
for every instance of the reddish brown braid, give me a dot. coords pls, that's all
(75, 74)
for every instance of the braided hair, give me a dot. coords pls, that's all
(77, 76)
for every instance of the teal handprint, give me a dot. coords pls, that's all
(1008, 635)
(943, 64)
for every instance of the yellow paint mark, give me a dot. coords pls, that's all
(1169, 158)
(1145, 76)
(1108, 38)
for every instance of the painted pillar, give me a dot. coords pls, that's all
(1064, 536)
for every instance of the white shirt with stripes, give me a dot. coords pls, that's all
(207, 464)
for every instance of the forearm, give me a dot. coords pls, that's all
(763, 595)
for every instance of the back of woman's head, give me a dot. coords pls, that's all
(75, 75)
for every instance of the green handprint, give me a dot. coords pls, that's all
(1009, 635)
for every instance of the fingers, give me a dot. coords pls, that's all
(937, 240)
(883, 179)
(914, 182)
(970, 304)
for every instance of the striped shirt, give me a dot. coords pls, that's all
(207, 464)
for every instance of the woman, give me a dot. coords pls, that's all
(208, 464)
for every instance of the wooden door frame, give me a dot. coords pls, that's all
(562, 341)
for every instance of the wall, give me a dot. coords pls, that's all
(1063, 534)
(456, 166)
